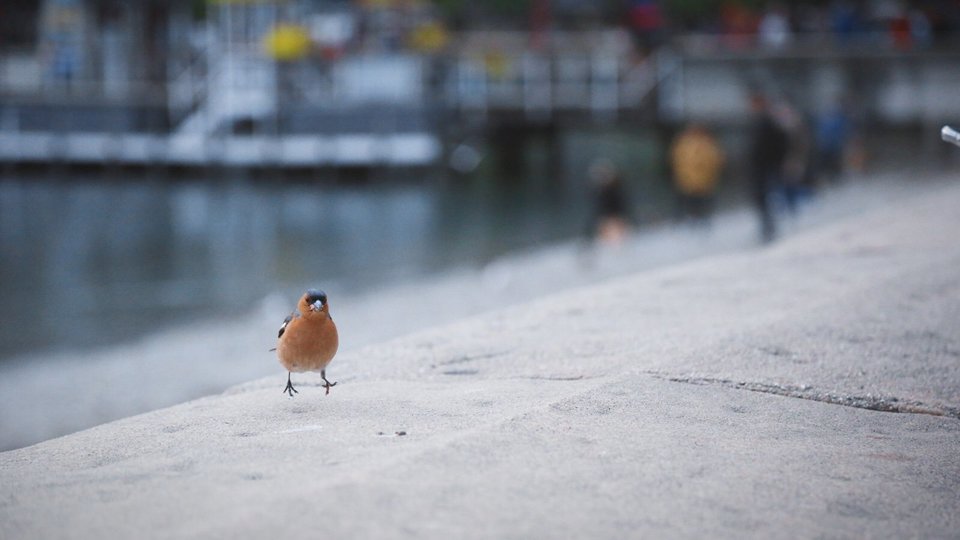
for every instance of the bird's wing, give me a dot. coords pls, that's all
(286, 322)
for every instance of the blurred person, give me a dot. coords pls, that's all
(696, 160)
(610, 221)
(738, 25)
(774, 29)
(900, 34)
(64, 58)
(921, 31)
(832, 133)
(541, 20)
(795, 185)
(768, 148)
(646, 21)
(846, 21)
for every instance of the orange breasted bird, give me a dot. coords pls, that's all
(308, 338)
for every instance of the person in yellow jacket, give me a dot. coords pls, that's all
(697, 161)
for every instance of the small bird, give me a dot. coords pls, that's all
(308, 339)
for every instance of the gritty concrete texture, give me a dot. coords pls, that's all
(805, 390)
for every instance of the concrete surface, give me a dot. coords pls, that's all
(811, 389)
(78, 389)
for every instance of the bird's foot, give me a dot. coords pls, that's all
(291, 390)
(328, 385)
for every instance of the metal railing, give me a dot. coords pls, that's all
(541, 84)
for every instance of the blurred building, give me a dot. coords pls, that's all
(361, 82)
(241, 82)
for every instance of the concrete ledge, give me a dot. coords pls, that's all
(809, 389)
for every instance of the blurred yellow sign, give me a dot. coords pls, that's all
(429, 37)
(378, 4)
(497, 64)
(286, 42)
(245, 1)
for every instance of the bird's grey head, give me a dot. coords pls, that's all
(316, 299)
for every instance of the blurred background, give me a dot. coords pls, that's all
(165, 164)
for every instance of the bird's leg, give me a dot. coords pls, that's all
(328, 385)
(290, 389)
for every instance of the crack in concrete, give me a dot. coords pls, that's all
(871, 402)
(461, 372)
(552, 377)
(467, 358)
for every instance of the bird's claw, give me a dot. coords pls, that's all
(290, 390)
(328, 385)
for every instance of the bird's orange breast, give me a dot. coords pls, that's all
(308, 343)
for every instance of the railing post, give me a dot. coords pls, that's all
(535, 78)
(671, 94)
(604, 85)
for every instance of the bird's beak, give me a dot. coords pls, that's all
(316, 306)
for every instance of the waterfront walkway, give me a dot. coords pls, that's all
(811, 389)
(73, 389)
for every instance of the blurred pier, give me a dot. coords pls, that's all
(189, 150)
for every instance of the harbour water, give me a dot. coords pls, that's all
(88, 262)
(91, 259)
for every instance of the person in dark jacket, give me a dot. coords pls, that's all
(610, 221)
(769, 144)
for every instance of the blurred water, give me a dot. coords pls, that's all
(88, 261)
(99, 258)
